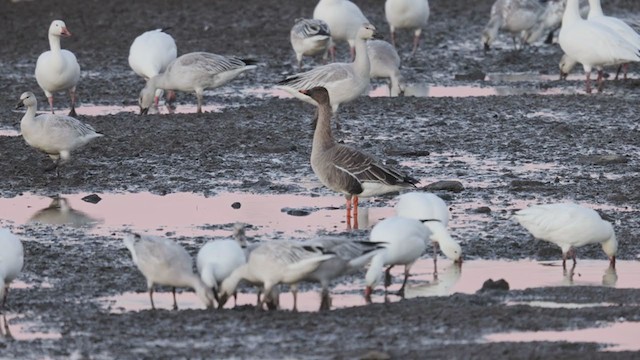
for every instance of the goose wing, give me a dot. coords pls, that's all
(320, 76)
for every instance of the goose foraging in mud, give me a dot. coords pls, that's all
(309, 37)
(407, 14)
(58, 69)
(11, 262)
(55, 135)
(385, 63)
(344, 19)
(348, 170)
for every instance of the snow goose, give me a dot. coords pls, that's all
(515, 16)
(309, 37)
(344, 19)
(407, 14)
(434, 213)
(403, 240)
(615, 24)
(273, 263)
(344, 81)
(385, 63)
(196, 72)
(350, 256)
(58, 69)
(55, 135)
(348, 170)
(569, 226)
(11, 261)
(592, 44)
(150, 54)
(217, 259)
(164, 262)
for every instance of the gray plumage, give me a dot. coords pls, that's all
(309, 37)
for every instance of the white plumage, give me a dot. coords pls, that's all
(309, 37)
(55, 135)
(385, 63)
(407, 14)
(11, 261)
(58, 69)
(517, 17)
(344, 19)
(217, 259)
(165, 262)
(569, 226)
(592, 44)
(402, 241)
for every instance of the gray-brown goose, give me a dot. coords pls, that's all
(345, 169)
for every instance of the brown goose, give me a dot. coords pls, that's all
(345, 169)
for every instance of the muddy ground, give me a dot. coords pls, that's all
(262, 145)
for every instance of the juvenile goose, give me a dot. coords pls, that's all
(165, 262)
(344, 81)
(433, 212)
(11, 261)
(517, 17)
(592, 44)
(403, 240)
(344, 19)
(569, 226)
(309, 37)
(58, 69)
(273, 263)
(407, 14)
(345, 169)
(55, 135)
(151, 53)
(196, 72)
(385, 63)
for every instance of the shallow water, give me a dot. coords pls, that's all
(13, 327)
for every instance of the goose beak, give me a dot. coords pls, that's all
(144, 111)
(65, 32)
(377, 36)
(612, 261)
(563, 75)
(222, 300)
(306, 92)
(19, 104)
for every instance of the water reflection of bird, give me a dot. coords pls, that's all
(569, 226)
(11, 261)
(610, 276)
(4, 327)
(442, 284)
(59, 212)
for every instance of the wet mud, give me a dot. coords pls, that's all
(551, 143)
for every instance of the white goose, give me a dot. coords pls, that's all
(344, 81)
(151, 53)
(58, 69)
(385, 63)
(55, 135)
(517, 17)
(592, 44)
(569, 226)
(11, 261)
(344, 19)
(165, 262)
(194, 72)
(273, 263)
(217, 259)
(407, 14)
(403, 240)
(309, 37)
(434, 213)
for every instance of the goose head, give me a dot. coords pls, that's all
(367, 31)
(146, 99)
(27, 99)
(566, 65)
(610, 247)
(319, 94)
(58, 28)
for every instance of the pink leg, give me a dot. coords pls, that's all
(51, 103)
(332, 52)
(416, 40)
(352, 51)
(588, 83)
(600, 81)
(72, 93)
(393, 37)
(348, 213)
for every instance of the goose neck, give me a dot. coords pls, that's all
(54, 44)
(30, 115)
(322, 136)
(571, 12)
(361, 62)
(595, 9)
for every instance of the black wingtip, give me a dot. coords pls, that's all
(164, 29)
(250, 61)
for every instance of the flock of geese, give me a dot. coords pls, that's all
(421, 218)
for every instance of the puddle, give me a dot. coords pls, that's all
(425, 90)
(97, 110)
(12, 327)
(9, 132)
(422, 283)
(555, 305)
(614, 336)
(531, 77)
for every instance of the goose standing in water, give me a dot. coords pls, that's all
(55, 135)
(273, 263)
(309, 37)
(11, 261)
(164, 262)
(569, 226)
(344, 81)
(592, 44)
(344, 19)
(407, 14)
(194, 72)
(150, 54)
(58, 69)
(385, 63)
(345, 169)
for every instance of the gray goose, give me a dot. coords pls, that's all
(345, 169)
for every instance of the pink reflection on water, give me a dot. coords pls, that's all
(619, 336)
(11, 327)
(97, 110)
(9, 132)
(425, 90)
